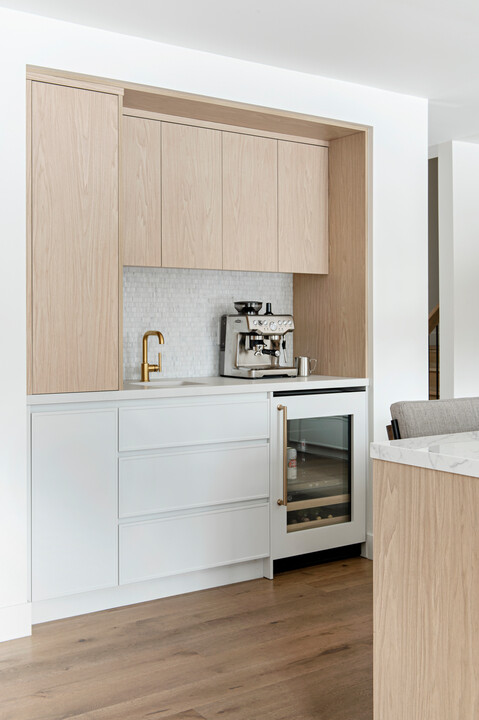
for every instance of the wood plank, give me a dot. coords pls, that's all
(250, 203)
(210, 109)
(426, 597)
(28, 219)
(286, 646)
(238, 114)
(141, 178)
(121, 239)
(318, 502)
(302, 208)
(132, 112)
(191, 197)
(330, 311)
(74, 239)
(74, 81)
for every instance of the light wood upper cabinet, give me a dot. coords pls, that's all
(197, 197)
(302, 208)
(74, 240)
(191, 197)
(250, 203)
(141, 210)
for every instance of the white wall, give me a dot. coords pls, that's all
(398, 219)
(458, 267)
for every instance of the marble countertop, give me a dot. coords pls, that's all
(458, 453)
(192, 386)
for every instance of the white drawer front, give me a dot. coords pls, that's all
(173, 426)
(192, 542)
(186, 479)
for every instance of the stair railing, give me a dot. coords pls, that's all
(434, 372)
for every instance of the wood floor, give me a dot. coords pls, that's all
(296, 648)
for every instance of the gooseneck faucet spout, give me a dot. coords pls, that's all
(146, 368)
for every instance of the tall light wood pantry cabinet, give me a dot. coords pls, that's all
(74, 239)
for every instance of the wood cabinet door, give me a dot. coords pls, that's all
(75, 312)
(302, 208)
(141, 174)
(191, 197)
(250, 210)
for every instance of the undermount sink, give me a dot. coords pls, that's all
(163, 383)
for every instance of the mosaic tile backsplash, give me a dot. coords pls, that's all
(186, 306)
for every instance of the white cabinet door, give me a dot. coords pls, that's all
(200, 421)
(188, 478)
(74, 498)
(175, 545)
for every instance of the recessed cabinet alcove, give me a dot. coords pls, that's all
(121, 174)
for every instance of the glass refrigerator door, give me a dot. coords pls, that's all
(318, 472)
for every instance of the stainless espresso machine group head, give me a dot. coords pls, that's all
(253, 345)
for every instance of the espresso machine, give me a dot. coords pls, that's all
(254, 345)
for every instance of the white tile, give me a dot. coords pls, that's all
(186, 306)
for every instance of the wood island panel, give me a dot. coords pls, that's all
(75, 236)
(302, 208)
(250, 203)
(191, 197)
(141, 180)
(426, 594)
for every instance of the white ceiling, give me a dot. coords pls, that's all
(428, 48)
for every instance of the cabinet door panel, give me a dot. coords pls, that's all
(74, 475)
(195, 424)
(187, 479)
(74, 239)
(193, 542)
(302, 208)
(250, 210)
(191, 197)
(141, 171)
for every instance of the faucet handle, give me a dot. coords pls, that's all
(159, 362)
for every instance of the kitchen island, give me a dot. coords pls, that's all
(426, 578)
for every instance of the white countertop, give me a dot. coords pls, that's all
(182, 387)
(458, 453)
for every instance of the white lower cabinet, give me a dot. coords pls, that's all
(74, 496)
(132, 501)
(183, 544)
(201, 467)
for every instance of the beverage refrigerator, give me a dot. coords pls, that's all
(318, 466)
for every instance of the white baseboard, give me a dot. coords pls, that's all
(15, 621)
(367, 547)
(46, 610)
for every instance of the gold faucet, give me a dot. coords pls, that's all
(146, 368)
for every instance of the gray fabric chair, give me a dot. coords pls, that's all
(419, 418)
